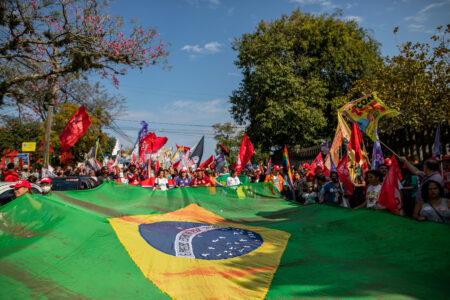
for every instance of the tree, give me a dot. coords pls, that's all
(44, 44)
(416, 82)
(85, 143)
(15, 131)
(230, 136)
(296, 69)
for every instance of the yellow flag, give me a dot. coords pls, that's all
(195, 254)
(366, 113)
(28, 146)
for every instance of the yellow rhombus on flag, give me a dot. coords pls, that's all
(193, 253)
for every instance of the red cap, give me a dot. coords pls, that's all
(184, 170)
(388, 162)
(306, 165)
(21, 183)
(198, 169)
(46, 180)
(258, 170)
(276, 167)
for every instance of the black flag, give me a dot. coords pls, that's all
(197, 152)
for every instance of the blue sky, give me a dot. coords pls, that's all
(202, 76)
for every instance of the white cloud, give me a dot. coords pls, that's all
(211, 3)
(208, 48)
(418, 28)
(185, 111)
(423, 15)
(324, 3)
(354, 18)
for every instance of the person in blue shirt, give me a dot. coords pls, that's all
(333, 191)
(183, 180)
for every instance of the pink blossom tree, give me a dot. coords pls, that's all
(45, 44)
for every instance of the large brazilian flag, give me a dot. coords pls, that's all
(124, 242)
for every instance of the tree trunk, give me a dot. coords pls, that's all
(48, 129)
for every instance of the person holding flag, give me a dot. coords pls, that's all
(275, 178)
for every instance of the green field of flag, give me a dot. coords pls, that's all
(64, 246)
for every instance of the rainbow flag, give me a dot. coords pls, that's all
(287, 166)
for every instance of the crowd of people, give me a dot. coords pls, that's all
(424, 186)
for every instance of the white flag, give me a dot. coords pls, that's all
(116, 148)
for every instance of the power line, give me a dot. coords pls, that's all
(176, 124)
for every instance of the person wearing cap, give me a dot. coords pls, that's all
(46, 185)
(200, 179)
(275, 178)
(10, 175)
(183, 180)
(21, 188)
(233, 180)
(132, 176)
(309, 195)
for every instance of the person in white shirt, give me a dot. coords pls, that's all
(233, 180)
(373, 191)
(161, 182)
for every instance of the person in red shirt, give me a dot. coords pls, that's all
(132, 175)
(10, 175)
(200, 179)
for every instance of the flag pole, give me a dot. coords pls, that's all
(393, 152)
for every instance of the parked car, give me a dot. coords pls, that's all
(72, 183)
(7, 192)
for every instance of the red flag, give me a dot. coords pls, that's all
(175, 165)
(390, 193)
(74, 129)
(156, 168)
(184, 148)
(151, 143)
(155, 143)
(245, 154)
(355, 142)
(207, 162)
(344, 174)
(224, 150)
(318, 164)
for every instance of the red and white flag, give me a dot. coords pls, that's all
(245, 154)
(207, 162)
(390, 192)
(344, 174)
(74, 129)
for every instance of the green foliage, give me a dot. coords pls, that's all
(13, 132)
(85, 143)
(295, 70)
(416, 82)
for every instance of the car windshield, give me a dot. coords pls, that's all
(6, 196)
(65, 184)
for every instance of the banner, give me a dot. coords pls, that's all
(366, 113)
(28, 146)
